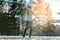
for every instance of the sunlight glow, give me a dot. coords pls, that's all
(42, 11)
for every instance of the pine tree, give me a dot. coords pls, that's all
(21, 10)
(9, 24)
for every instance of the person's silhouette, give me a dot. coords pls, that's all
(28, 24)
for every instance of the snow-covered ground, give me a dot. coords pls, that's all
(35, 38)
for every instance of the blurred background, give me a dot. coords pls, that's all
(45, 13)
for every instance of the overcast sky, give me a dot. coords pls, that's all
(55, 6)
